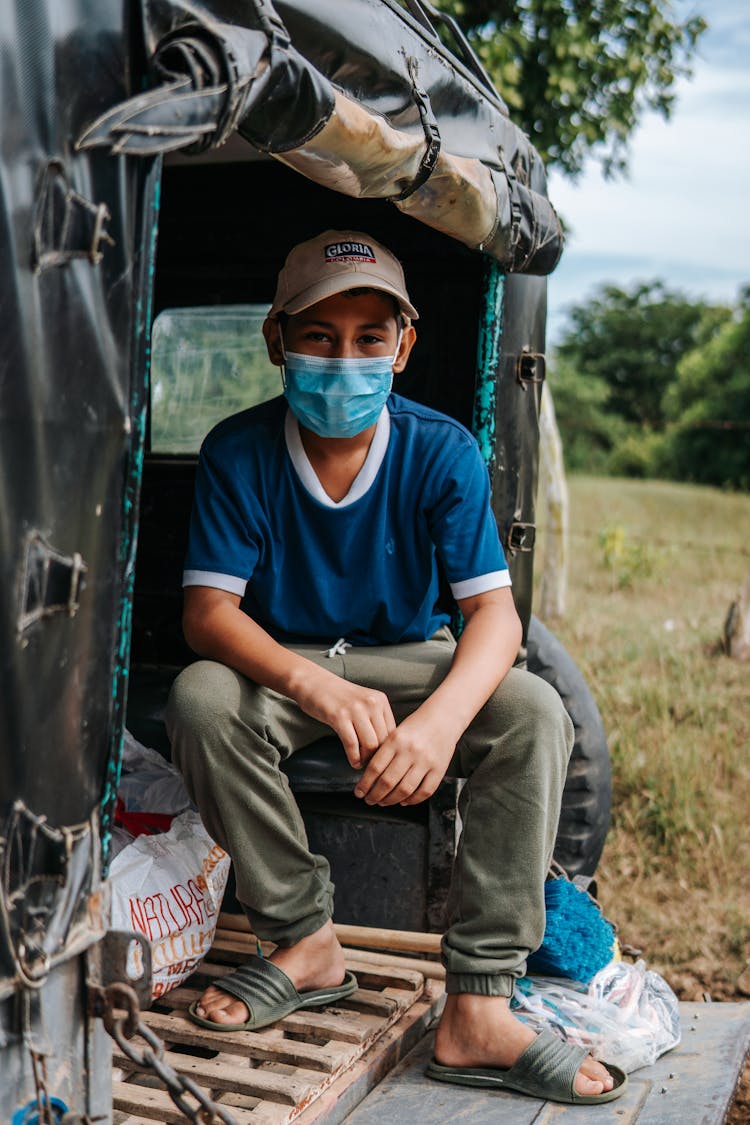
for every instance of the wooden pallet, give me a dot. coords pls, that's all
(299, 1068)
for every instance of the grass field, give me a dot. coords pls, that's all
(654, 567)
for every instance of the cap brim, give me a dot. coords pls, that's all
(340, 283)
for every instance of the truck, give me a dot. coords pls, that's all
(159, 159)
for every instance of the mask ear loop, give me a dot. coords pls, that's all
(282, 366)
(395, 356)
(398, 344)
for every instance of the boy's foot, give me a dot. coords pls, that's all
(316, 961)
(481, 1031)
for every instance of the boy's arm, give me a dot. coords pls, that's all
(411, 763)
(215, 627)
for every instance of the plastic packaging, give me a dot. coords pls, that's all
(169, 887)
(628, 1014)
(149, 783)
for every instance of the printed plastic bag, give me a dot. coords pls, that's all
(169, 887)
(627, 1015)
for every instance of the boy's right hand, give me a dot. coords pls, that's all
(216, 627)
(360, 716)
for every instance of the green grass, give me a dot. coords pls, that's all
(653, 569)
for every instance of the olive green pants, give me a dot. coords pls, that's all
(228, 737)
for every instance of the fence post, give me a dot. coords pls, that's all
(553, 506)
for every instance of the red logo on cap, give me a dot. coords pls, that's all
(349, 252)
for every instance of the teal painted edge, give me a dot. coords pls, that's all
(488, 358)
(129, 540)
(489, 338)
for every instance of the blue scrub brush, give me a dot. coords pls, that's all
(578, 939)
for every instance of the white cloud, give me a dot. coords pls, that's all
(683, 212)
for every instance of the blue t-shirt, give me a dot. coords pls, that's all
(364, 568)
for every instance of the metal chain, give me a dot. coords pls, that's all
(121, 997)
(39, 1070)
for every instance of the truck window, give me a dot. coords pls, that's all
(206, 363)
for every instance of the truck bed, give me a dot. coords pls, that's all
(363, 1062)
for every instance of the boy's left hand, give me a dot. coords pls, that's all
(411, 762)
(408, 767)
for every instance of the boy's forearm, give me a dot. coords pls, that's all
(486, 650)
(217, 629)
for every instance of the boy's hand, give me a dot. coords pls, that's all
(360, 716)
(413, 760)
(408, 766)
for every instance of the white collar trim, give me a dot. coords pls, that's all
(364, 477)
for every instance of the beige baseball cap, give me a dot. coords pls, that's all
(333, 262)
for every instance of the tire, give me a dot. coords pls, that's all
(587, 797)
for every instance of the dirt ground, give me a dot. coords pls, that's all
(739, 1114)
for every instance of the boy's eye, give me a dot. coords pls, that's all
(369, 339)
(318, 337)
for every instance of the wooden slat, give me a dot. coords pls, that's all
(235, 952)
(372, 1001)
(337, 1100)
(433, 970)
(237, 922)
(266, 1044)
(340, 1025)
(219, 1074)
(374, 974)
(346, 1025)
(128, 1119)
(156, 1105)
(235, 939)
(363, 937)
(364, 1000)
(235, 947)
(271, 1076)
(405, 941)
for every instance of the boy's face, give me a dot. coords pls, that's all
(343, 327)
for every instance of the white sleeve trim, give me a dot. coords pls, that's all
(495, 580)
(228, 582)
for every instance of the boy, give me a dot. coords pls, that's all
(310, 592)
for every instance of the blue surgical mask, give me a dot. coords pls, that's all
(337, 397)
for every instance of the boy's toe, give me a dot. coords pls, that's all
(220, 1007)
(593, 1078)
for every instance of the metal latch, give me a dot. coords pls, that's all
(51, 582)
(520, 537)
(531, 367)
(66, 225)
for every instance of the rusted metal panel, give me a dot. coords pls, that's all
(48, 1033)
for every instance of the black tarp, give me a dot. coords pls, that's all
(74, 238)
(360, 98)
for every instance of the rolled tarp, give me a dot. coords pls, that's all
(380, 110)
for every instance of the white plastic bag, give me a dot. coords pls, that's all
(149, 783)
(169, 887)
(627, 1015)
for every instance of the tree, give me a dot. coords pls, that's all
(648, 382)
(632, 341)
(709, 407)
(579, 74)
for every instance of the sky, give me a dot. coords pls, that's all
(683, 212)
